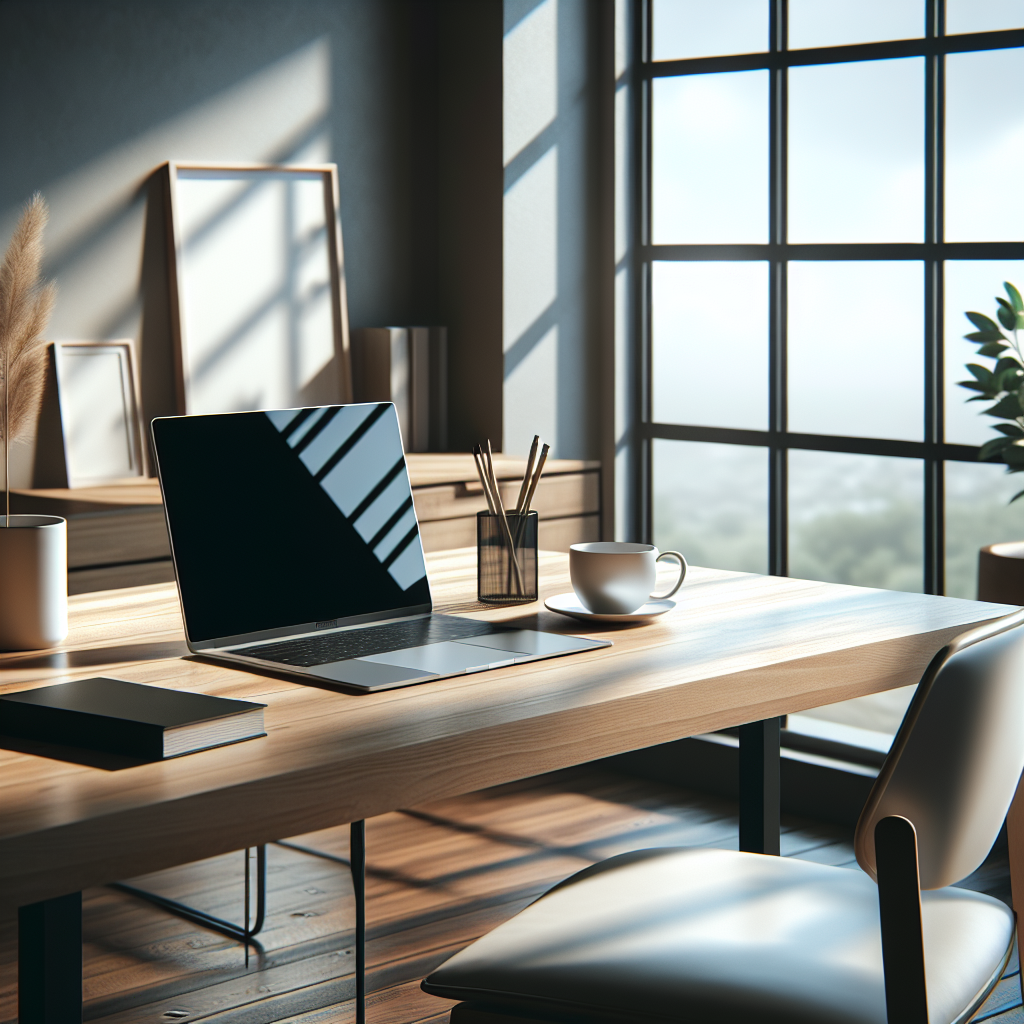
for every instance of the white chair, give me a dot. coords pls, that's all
(739, 938)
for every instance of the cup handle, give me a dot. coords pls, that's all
(682, 574)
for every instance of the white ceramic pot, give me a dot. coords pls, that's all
(33, 582)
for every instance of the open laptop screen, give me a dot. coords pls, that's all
(290, 520)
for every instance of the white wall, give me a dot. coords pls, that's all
(551, 357)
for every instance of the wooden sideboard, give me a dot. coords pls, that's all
(117, 536)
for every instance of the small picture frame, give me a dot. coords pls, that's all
(97, 390)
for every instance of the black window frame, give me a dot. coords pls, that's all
(932, 252)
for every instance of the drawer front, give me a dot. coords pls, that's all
(558, 534)
(114, 577)
(107, 539)
(553, 534)
(565, 494)
(445, 534)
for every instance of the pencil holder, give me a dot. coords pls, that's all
(501, 579)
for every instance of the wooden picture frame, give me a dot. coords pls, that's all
(98, 396)
(259, 315)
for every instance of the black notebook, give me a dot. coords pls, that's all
(118, 717)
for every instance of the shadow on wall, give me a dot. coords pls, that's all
(100, 95)
(550, 189)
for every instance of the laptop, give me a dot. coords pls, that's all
(297, 552)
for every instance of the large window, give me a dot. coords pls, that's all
(825, 188)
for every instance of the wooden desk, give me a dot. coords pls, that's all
(738, 648)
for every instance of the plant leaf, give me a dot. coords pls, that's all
(1010, 429)
(1009, 379)
(1007, 408)
(1013, 455)
(979, 336)
(1007, 315)
(983, 323)
(982, 373)
(995, 447)
(1015, 299)
(992, 349)
(1016, 496)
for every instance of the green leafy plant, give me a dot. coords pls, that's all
(1004, 382)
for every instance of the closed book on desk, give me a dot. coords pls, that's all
(119, 717)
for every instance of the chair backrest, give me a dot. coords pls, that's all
(955, 762)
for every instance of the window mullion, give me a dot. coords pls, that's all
(778, 512)
(934, 499)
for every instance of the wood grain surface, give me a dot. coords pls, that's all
(738, 647)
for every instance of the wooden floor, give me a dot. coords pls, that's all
(438, 876)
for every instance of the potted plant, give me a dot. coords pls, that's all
(33, 549)
(1001, 566)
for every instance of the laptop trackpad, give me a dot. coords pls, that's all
(366, 675)
(529, 644)
(447, 658)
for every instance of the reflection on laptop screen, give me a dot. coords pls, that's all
(289, 518)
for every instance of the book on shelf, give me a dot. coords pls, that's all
(407, 366)
(115, 716)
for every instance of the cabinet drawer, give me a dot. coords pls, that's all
(558, 534)
(553, 534)
(563, 494)
(114, 577)
(110, 537)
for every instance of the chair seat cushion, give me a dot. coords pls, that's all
(661, 935)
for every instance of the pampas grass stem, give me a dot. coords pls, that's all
(25, 309)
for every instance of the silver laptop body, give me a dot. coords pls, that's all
(297, 551)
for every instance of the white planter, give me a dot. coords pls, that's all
(33, 582)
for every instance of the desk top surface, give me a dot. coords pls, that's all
(737, 648)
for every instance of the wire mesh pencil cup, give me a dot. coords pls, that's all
(501, 579)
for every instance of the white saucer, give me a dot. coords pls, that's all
(569, 604)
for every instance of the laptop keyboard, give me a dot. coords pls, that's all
(357, 643)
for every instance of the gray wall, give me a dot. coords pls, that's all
(99, 93)
(406, 96)
(554, 226)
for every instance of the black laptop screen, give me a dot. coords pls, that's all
(289, 517)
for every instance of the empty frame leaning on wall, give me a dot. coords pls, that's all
(257, 283)
(98, 393)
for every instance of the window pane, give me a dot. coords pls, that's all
(856, 519)
(710, 366)
(856, 349)
(711, 503)
(856, 152)
(814, 23)
(971, 286)
(710, 158)
(695, 28)
(978, 513)
(983, 15)
(984, 146)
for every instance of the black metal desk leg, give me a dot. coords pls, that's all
(50, 961)
(759, 786)
(357, 859)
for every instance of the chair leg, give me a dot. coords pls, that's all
(899, 904)
(243, 934)
(759, 786)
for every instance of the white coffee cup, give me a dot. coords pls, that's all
(617, 578)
